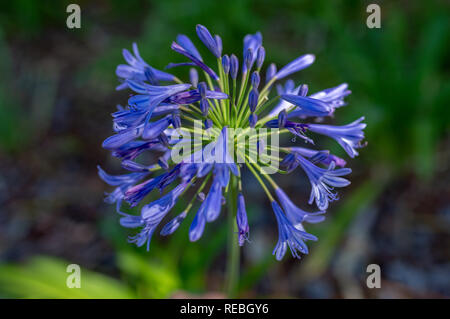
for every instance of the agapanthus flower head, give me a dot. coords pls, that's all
(225, 104)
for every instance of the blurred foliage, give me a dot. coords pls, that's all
(399, 76)
(44, 277)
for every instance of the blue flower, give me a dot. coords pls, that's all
(289, 236)
(323, 181)
(326, 160)
(296, 215)
(348, 136)
(311, 107)
(158, 114)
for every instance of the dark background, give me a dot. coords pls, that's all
(57, 93)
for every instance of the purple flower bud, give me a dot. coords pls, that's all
(208, 40)
(218, 43)
(260, 57)
(253, 99)
(271, 71)
(193, 76)
(303, 90)
(208, 123)
(248, 58)
(204, 106)
(176, 120)
(202, 89)
(234, 66)
(298, 64)
(282, 117)
(252, 119)
(255, 79)
(241, 220)
(226, 64)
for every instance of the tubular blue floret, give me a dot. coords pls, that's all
(255, 79)
(253, 99)
(226, 64)
(289, 235)
(348, 136)
(310, 153)
(323, 181)
(312, 106)
(298, 64)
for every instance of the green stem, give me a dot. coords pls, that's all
(233, 245)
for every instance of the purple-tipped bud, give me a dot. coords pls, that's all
(193, 76)
(163, 139)
(218, 43)
(204, 106)
(202, 89)
(176, 120)
(241, 220)
(226, 64)
(298, 64)
(208, 123)
(234, 66)
(208, 40)
(260, 57)
(255, 79)
(253, 99)
(248, 58)
(282, 117)
(163, 163)
(271, 71)
(252, 119)
(303, 90)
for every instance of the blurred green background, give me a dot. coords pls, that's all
(57, 93)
